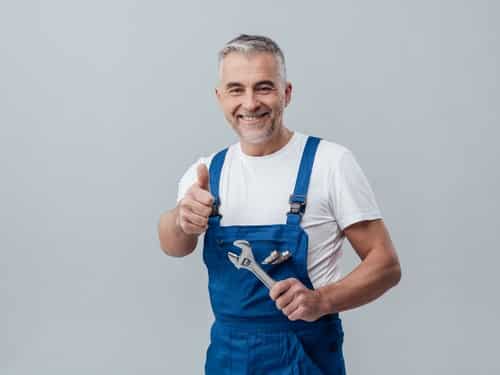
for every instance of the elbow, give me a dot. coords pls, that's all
(166, 251)
(394, 273)
(169, 244)
(176, 250)
(179, 253)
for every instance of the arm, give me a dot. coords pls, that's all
(378, 271)
(173, 240)
(179, 228)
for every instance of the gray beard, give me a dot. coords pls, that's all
(261, 138)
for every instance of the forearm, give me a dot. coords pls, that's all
(377, 273)
(173, 241)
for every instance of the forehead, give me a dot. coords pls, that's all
(239, 67)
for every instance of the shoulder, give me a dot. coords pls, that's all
(332, 150)
(230, 151)
(329, 154)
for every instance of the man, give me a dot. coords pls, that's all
(277, 190)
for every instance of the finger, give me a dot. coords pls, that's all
(200, 195)
(291, 307)
(285, 299)
(299, 313)
(197, 207)
(280, 287)
(293, 297)
(202, 174)
(187, 218)
(190, 227)
(196, 219)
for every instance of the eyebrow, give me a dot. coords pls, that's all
(262, 83)
(233, 84)
(230, 85)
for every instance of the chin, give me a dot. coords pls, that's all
(262, 136)
(254, 140)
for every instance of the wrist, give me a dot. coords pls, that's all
(326, 305)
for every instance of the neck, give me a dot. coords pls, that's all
(274, 144)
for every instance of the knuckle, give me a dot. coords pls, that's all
(191, 190)
(185, 203)
(208, 197)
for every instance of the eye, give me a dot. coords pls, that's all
(264, 89)
(235, 91)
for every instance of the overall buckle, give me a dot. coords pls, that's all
(215, 208)
(297, 204)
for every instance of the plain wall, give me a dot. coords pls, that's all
(104, 104)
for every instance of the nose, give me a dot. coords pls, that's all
(250, 102)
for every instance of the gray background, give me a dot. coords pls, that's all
(104, 104)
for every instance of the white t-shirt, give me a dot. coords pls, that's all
(254, 190)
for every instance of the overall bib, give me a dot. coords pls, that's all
(250, 335)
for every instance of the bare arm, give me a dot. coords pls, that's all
(173, 240)
(378, 271)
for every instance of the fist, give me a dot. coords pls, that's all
(196, 206)
(296, 301)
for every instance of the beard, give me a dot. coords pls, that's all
(256, 133)
(255, 136)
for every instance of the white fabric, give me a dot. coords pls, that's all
(255, 191)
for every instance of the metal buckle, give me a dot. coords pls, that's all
(297, 207)
(215, 209)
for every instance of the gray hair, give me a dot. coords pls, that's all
(249, 44)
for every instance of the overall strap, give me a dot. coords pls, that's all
(298, 198)
(214, 178)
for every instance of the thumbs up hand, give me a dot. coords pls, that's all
(196, 206)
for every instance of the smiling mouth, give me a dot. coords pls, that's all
(252, 118)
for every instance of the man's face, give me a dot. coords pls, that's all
(253, 96)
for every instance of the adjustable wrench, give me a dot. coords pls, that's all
(246, 261)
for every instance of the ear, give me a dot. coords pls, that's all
(218, 94)
(288, 93)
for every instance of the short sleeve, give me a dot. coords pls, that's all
(352, 197)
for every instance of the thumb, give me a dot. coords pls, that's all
(202, 173)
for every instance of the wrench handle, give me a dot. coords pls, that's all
(262, 276)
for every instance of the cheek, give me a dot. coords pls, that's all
(230, 106)
(278, 107)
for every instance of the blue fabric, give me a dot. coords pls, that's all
(250, 335)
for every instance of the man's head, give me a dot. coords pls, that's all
(253, 90)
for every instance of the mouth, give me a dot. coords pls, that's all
(254, 118)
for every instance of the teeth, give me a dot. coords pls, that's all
(250, 118)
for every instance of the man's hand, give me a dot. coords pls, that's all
(296, 301)
(196, 206)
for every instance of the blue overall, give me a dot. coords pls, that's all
(250, 335)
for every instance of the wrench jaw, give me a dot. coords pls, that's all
(246, 261)
(234, 259)
(239, 261)
(246, 251)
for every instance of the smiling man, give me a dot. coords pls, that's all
(288, 201)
